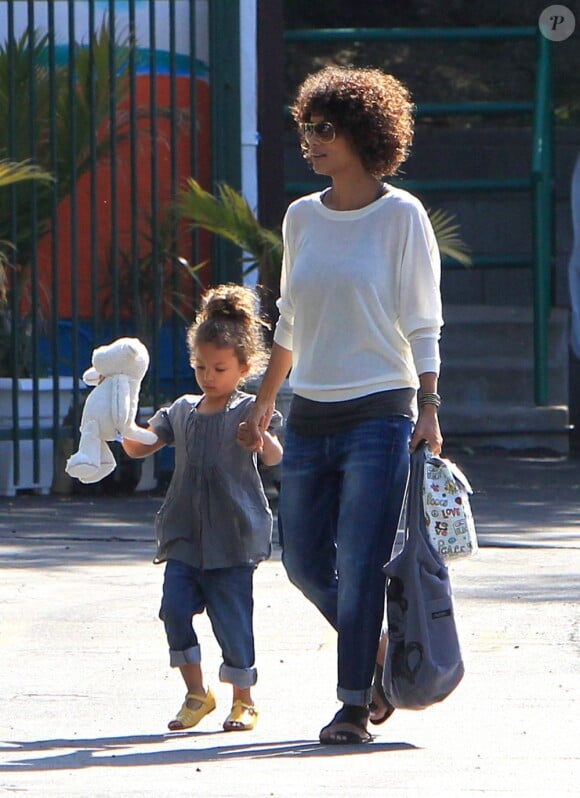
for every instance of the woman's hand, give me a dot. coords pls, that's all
(260, 415)
(427, 429)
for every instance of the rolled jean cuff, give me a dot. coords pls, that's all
(191, 656)
(239, 677)
(360, 698)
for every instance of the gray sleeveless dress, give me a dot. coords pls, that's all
(215, 513)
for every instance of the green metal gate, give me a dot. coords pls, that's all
(120, 102)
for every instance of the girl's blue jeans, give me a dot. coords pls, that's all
(226, 594)
(340, 501)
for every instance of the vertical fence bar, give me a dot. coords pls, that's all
(173, 276)
(93, 188)
(72, 161)
(114, 249)
(542, 203)
(224, 37)
(14, 322)
(172, 99)
(33, 265)
(194, 154)
(54, 249)
(136, 277)
(157, 284)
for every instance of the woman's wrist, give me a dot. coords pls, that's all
(266, 397)
(428, 411)
(277, 371)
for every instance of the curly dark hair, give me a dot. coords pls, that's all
(229, 316)
(372, 108)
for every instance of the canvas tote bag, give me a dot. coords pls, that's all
(448, 516)
(423, 663)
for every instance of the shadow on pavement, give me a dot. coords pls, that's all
(98, 752)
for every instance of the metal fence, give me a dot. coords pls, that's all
(113, 99)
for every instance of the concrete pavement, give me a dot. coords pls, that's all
(86, 692)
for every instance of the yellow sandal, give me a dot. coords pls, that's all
(243, 717)
(186, 718)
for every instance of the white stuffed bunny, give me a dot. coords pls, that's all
(111, 407)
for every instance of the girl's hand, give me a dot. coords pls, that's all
(246, 438)
(428, 430)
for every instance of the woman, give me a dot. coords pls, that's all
(360, 320)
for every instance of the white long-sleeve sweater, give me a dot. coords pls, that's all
(360, 303)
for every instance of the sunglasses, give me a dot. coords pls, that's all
(324, 131)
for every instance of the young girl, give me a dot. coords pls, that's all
(215, 524)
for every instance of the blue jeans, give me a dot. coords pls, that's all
(340, 501)
(226, 594)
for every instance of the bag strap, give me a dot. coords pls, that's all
(412, 519)
(415, 514)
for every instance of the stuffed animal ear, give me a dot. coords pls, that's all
(91, 376)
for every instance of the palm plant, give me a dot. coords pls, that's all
(53, 128)
(11, 173)
(62, 131)
(229, 216)
(450, 243)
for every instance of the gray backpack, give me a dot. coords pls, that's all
(423, 661)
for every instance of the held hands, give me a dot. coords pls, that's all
(250, 433)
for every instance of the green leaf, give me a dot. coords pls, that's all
(446, 230)
(229, 216)
(15, 172)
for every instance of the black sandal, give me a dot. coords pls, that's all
(378, 688)
(348, 727)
